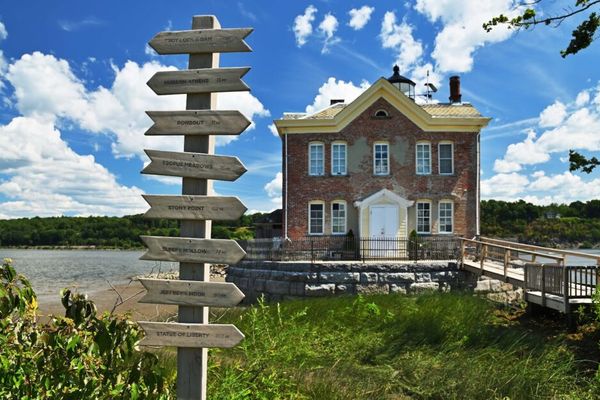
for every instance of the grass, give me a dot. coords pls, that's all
(437, 346)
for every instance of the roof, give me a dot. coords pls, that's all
(460, 110)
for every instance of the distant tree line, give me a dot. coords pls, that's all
(118, 232)
(575, 224)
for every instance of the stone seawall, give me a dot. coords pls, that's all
(291, 280)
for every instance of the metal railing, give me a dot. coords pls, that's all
(348, 248)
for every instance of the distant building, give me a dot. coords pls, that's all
(382, 165)
(269, 226)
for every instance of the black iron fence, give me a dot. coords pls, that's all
(348, 248)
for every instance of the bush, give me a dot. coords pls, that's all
(79, 356)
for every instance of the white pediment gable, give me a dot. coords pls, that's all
(382, 196)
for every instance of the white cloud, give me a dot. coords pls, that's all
(400, 38)
(3, 63)
(462, 31)
(553, 115)
(328, 27)
(247, 104)
(359, 17)
(336, 89)
(273, 130)
(46, 177)
(273, 189)
(504, 186)
(582, 98)
(303, 25)
(505, 167)
(3, 32)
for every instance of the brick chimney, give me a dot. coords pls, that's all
(455, 96)
(335, 101)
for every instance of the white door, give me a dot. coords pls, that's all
(383, 229)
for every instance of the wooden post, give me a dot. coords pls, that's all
(506, 262)
(483, 251)
(543, 285)
(192, 362)
(462, 253)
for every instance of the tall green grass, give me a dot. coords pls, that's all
(438, 346)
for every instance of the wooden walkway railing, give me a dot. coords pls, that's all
(542, 272)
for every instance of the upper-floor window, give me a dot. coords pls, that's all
(423, 158)
(381, 159)
(446, 158)
(316, 218)
(446, 216)
(338, 158)
(316, 159)
(423, 216)
(381, 113)
(338, 217)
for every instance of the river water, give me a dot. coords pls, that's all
(88, 271)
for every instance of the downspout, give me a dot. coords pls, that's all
(478, 194)
(285, 214)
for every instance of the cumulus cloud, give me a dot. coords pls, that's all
(273, 130)
(303, 25)
(359, 17)
(461, 33)
(553, 115)
(328, 27)
(273, 189)
(336, 89)
(400, 38)
(3, 31)
(504, 186)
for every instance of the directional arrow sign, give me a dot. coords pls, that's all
(199, 81)
(194, 207)
(201, 41)
(193, 165)
(190, 335)
(192, 250)
(191, 293)
(197, 122)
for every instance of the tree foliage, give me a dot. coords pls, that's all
(581, 37)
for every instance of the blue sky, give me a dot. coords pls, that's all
(72, 85)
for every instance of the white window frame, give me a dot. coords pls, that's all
(310, 160)
(417, 216)
(445, 143)
(322, 204)
(440, 217)
(422, 143)
(345, 165)
(387, 145)
(345, 217)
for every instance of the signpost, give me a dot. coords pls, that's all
(201, 80)
(169, 291)
(205, 122)
(193, 165)
(195, 208)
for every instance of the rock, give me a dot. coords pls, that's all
(394, 288)
(422, 287)
(372, 289)
(368, 277)
(325, 289)
(344, 289)
(339, 277)
(397, 277)
(277, 287)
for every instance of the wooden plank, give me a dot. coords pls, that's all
(202, 80)
(192, 250)
(197, 122)
(190, 335)
(194, 165)
(201, 41)
(222, 208)
(191, 293)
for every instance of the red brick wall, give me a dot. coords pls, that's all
(402, 135)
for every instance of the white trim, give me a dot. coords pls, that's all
(381, 116)
(285, 182)
(310, 145)
(322, 204)
(338, 143)
(345, 226)
(387, 144)
(422, 142)
(445, 201)
(423, 201)
(446, 142)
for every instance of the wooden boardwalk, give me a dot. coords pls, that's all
(542, 272)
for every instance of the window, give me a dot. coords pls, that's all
(423, 217)
(423, 158)
(381, 113)
(338, 158)
(381, 164)
(446, 211)
(316, 215)
(446, 158)
(338, 217)
(315, 159)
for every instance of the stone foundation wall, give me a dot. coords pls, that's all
(290, 280)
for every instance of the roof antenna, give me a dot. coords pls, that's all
(430, 89)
